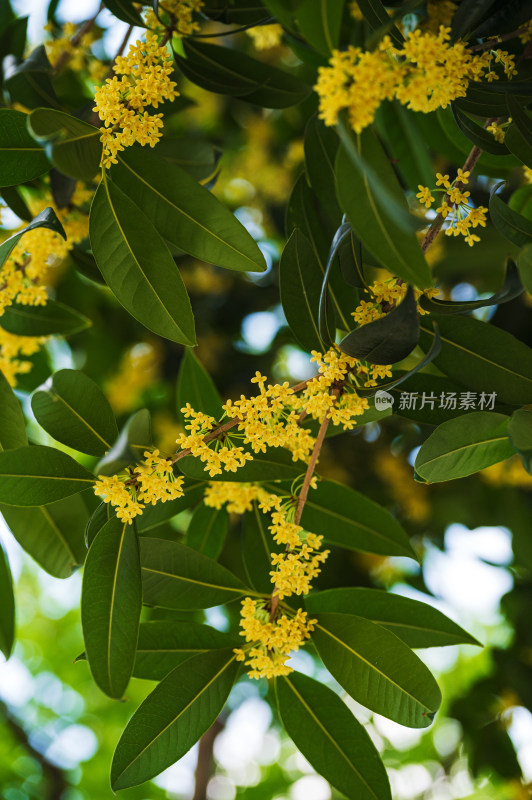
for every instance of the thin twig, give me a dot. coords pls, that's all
(498, 39)
(76, 39)
(205, 759)
(312, 464)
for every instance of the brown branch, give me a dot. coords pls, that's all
(76, 39)
(498, 39)
(303, 494)
(205, 758)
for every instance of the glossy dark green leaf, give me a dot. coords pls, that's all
(99, 517)
(227, 71)
(195, 386)
(240, 12)
(126, 11)
(12, 423)
(519, 117)
(478, 135)
(137, 265)
(257, 545)
(198, 158)
(7, 606)
(134, 439)
(483, 357)
(207, 530)
(327, 332)
(53, 318)
(319, 22)
(111, 600)
(300, 279)
(164, 644)
(506, 17)
(480, 103)
(46, 219)
(520, 434)
(275, 464)
(395, 248)
(468, 16)
(51, 534)
(186, 214)
(511, 288)
(463, 446)
(28, 82)
(417, 624)
(518, 145)
(154, 516)
(350, 258)
(349, 519)
(73, 146)
(72, 408)
(377, 17)
(36, 476)
(513, 226)
(321, 145)
(388, 339)
(404, 139)
(173, 717)
(175, 576)
(331, 738)
(377, 669)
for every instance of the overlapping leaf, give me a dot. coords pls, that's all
(22, 159)
(35, 476)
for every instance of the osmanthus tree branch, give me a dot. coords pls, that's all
(76, 39)
(204, 766)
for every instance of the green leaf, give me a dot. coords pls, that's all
(321, 145)
(227, 71)
(72, 408)
(175, 576)
(300, 279)
(29, 82)
(126, 11)
(395, 248)
(518, 145)
(46, 219)
(513, 226)
(320, 21)
(36, 476)
(164, 644)
(51, 534)
(13, 199)
(173, 717)
(73, 146)
(511, 288)
(468, 16)
(463, 446)
(349, 519)
(53, 318)
(417, 624)
(520, 434)
(478, 135)
(483, 357)
(7, 606)
(275, 464)
(399, 129)
(138, 266)
(111, 600)
(186, 214)
(99, 517)
(377, 669)
(388, 339)
(331, 738)
(257, 546)
(135, 437)
(207, 530)
(198, 158)
(195, 386)
(377, 18)
(12, 423)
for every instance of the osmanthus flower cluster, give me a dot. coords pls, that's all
(425, 74)
(385, 295)
(75, 49)
(121, 102)
(174, 15)
(153, 481)
(460, 216)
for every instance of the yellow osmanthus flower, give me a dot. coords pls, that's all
(411, 497)
(497, 131)
(386, 293)
(80, 57)
(152, 481)
(427, 73)
(455, 209)
(508, 473)
(217, 456)
(439, 12)
(139, 368)
(177, 15)
(121, 102)
(266, 36)
(274, 640)
(12, 347)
